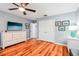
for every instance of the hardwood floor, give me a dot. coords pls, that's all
(35, 48)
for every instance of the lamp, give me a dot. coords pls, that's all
(73, 31)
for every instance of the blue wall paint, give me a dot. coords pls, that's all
(61, 36)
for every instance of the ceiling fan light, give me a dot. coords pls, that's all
(21, 9)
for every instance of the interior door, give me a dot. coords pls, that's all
(46, 30)
(33, 30)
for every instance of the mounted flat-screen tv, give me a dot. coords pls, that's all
(14, 26)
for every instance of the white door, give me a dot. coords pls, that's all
(46, 30)
(33, 30)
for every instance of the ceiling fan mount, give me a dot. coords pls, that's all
(22, 8)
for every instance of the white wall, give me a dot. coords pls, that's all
(62, 36)
(5, 17)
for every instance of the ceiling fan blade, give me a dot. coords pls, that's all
(15, 4)
(26, 4)
(24, 12)
(30, 10)
(12, 8)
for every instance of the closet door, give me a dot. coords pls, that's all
(46, 30)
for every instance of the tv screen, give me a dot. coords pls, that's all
(13, 26)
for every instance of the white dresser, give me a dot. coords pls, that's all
(12, 37)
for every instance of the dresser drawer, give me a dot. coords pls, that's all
(7, 36)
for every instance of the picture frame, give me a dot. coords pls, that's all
(27, 26)
(66, 23)
(58, 23)
(61, 28)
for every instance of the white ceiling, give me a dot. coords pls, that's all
(41, 9)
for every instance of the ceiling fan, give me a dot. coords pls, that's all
(22, 7)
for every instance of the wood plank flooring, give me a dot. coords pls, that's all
(35, 48)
